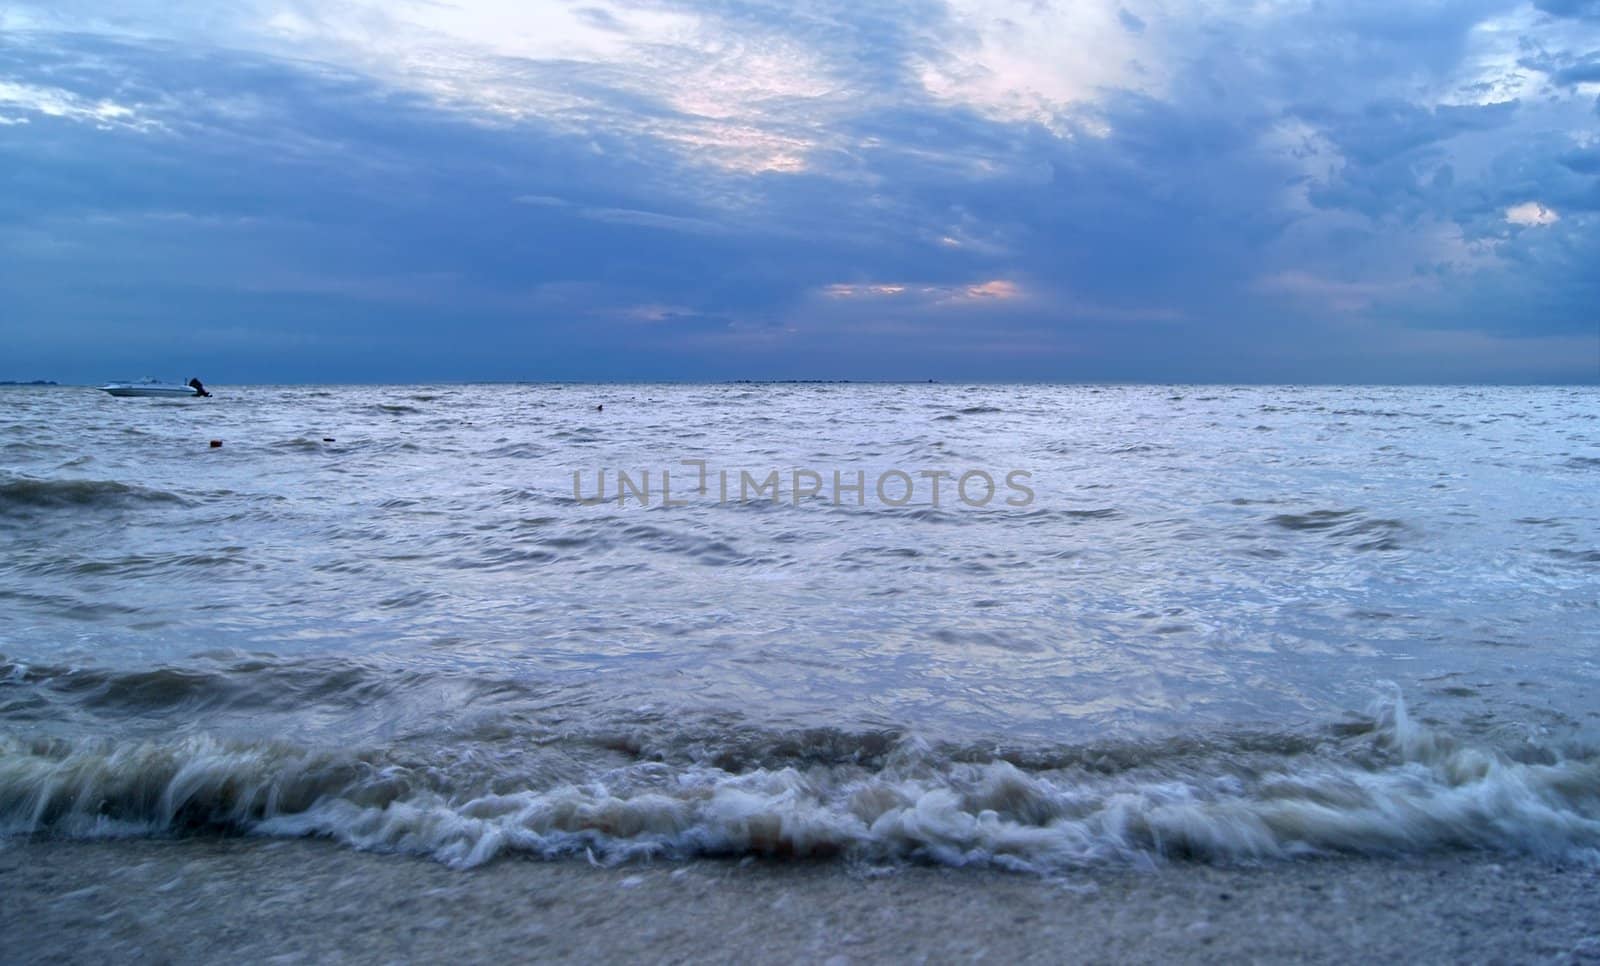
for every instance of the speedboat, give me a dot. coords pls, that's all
(163, 389)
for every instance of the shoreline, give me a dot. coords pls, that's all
(208, 899)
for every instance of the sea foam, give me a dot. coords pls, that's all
(1400, 788)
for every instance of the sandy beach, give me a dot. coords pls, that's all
(213, 900)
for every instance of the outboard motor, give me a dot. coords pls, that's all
(199, 387)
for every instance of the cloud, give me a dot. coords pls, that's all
(844, 290)
(55, 102)
(1017, 60)
(1564, 68)
(1342, 295)
(1578, 9)
(1583, 161)
(998, 289)
(632, 216)
(751, 101)
(1531, 213)
(600, 18)
(746, 187)
(1584, 72)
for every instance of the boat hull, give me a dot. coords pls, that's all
(170, 392)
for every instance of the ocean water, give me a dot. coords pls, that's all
(1190, 622)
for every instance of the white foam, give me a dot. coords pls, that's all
(1409, 790)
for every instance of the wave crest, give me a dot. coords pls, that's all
(1416, 791)
(21, 494)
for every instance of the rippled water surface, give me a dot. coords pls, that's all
(380, 614)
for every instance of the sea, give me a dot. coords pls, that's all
(1027, 627)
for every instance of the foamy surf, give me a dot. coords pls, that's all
(1399, 788)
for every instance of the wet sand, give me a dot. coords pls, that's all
(291, 901)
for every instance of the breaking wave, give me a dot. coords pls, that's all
(1396, 787)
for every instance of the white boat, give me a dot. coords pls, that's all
(164, 389)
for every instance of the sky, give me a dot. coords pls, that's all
(1100, 190)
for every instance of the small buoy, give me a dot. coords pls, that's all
(600, 409)
(216, 443)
